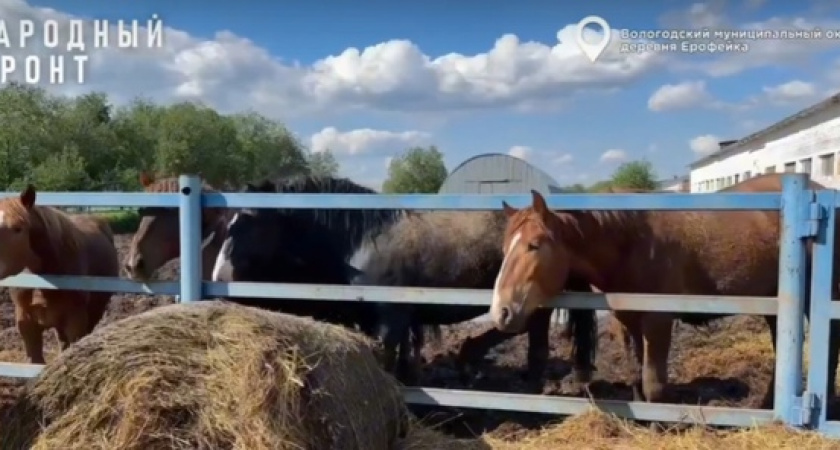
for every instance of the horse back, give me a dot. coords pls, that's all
(438, 249)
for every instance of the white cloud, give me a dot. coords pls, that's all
(685, 95)
(365, 140)
(613, 155)
(770, 49)
(795, 91)
(705, 144)
(521, 152)
(230, 72)
(565, 158)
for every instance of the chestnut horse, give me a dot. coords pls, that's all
(157, 239)
(45, 241)
(727, 253)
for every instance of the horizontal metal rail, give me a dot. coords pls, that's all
(440, 296)
(684, 202)
(656, 412)
(718, 201)
(92, 284)
(538, 403)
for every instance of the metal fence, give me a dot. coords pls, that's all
(805, 213)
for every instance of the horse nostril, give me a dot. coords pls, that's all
(505, 315)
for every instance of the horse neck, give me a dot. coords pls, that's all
(53, 252)
(352, 229)
(598, 238)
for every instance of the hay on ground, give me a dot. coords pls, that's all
(210, 375)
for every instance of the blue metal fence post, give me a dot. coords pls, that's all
(190, 237)
(822, 287)
(792, 291)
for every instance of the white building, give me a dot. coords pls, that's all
(676, 184)
(806, 142)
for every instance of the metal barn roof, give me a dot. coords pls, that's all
(497, 173)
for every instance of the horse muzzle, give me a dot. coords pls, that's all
(135, 268)
(509, 318)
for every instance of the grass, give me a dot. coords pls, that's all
(122, 221)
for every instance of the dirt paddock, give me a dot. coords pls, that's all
(728, 363)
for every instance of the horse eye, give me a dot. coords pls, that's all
(16, 229)
(533, 246)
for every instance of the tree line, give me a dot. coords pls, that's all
(84, 143)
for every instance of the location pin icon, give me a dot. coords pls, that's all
(593, 51)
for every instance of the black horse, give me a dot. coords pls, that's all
(385, 248)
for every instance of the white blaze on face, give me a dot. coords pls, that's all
(494, 306)
(221, 258)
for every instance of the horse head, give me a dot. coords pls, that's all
(16, 233)
(157, 238)
(537, 263)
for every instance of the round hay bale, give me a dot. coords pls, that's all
(211, 375)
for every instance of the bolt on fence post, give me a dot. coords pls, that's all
(190, 237)
(791, 297)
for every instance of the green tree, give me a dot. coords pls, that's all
(322, 164)
(85, 143)
(600, 186)
(268, 149)
(418, 170)
(573, 188)
(635, 175)
(64, 171)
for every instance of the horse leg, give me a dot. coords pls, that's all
(394, 324)
(97, 306)
(73, 326)
(770, 393)
(538, 349)
(32, 334)
(406, 367)
(656, 329)
(631, 330)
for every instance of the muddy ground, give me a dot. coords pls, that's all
(728, 363)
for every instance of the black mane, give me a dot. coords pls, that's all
(346, 227)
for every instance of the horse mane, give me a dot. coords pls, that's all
(347, 226)
(61, 236)
(170, 184)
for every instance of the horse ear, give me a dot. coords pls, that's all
(27, 197)
(509, 210)
(538, 202)
(146, 179)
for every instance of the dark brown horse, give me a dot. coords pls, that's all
(728, 253)
(45, 241)
(157, 242)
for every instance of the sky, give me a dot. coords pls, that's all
(367, 80)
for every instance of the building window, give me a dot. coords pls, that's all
(729, 180)
(790, 167)
(806, 165)
(770, 169)
(737, 178)
(827, 165)
(747, 175)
